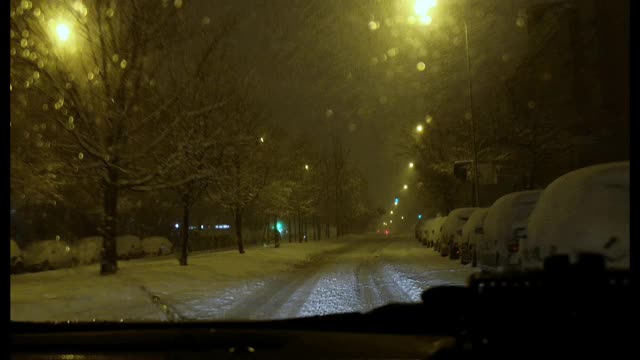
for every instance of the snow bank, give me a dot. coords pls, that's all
(87, 250)
(586, 210)
(475, 222)
(507, 214)
(47, 254)
(452, 227)
(157, 245)
(129, 246)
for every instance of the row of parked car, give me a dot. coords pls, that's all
(57, 253)
(585, 211)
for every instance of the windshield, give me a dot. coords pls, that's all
(216, 160)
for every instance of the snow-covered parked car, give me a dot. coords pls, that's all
(421, 230)
(584, 211)
(435, 230)
(87, 250)
(17, 261)
(504, 227)
(425, 232)
(47, 255)
(451, 232)
(129, 247)
(157, 245)
(472, 231)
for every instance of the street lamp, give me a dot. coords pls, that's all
(410, 165)
(422, 7)
(391, 212)
(419, 128)
(306, 167)
(406, 186)
(63, 32)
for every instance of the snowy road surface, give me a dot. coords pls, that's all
(357, 273)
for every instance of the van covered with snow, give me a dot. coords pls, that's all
(17, 262)
(504, 227)
(472, 232)
(47, 255)
(451, 232)
(584, 211)
(423, 231)
(157, 245)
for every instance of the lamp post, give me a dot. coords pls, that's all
(422, 7)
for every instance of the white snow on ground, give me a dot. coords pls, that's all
(80, 293)
(156, 245)
(334, 293)
(312, 278)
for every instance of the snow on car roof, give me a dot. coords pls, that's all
(456, 219)
(476, 219)
(586, 210)
(511, 209)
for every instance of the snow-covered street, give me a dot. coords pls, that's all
(356, 273)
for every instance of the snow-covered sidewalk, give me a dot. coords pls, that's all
(137, 290)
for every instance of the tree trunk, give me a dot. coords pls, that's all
(328, 227)
(109, 258)
(185, 232)
(237, 215)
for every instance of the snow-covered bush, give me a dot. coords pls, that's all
(47, 255)
(87, 250)
(17, 262)
(157, 245)
(584, 211)
(129, 247)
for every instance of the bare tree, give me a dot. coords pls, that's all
(101, 72)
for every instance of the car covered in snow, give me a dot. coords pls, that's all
(584, 211)
(17, 261)
(418, 229)
(157, 245)
(87, 250)
(505, 225)
(421, 230)
(47, 255)
(451, 232)
(129, 247)
(472, 232)
(435, 232)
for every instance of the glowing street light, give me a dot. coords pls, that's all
(63, 31)
(402, 217)
(405, 186)
(391, 212)
(306, 167)
(422, 8)
(419, 128)
(410, 165)
(390, 221)
(261, 139)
